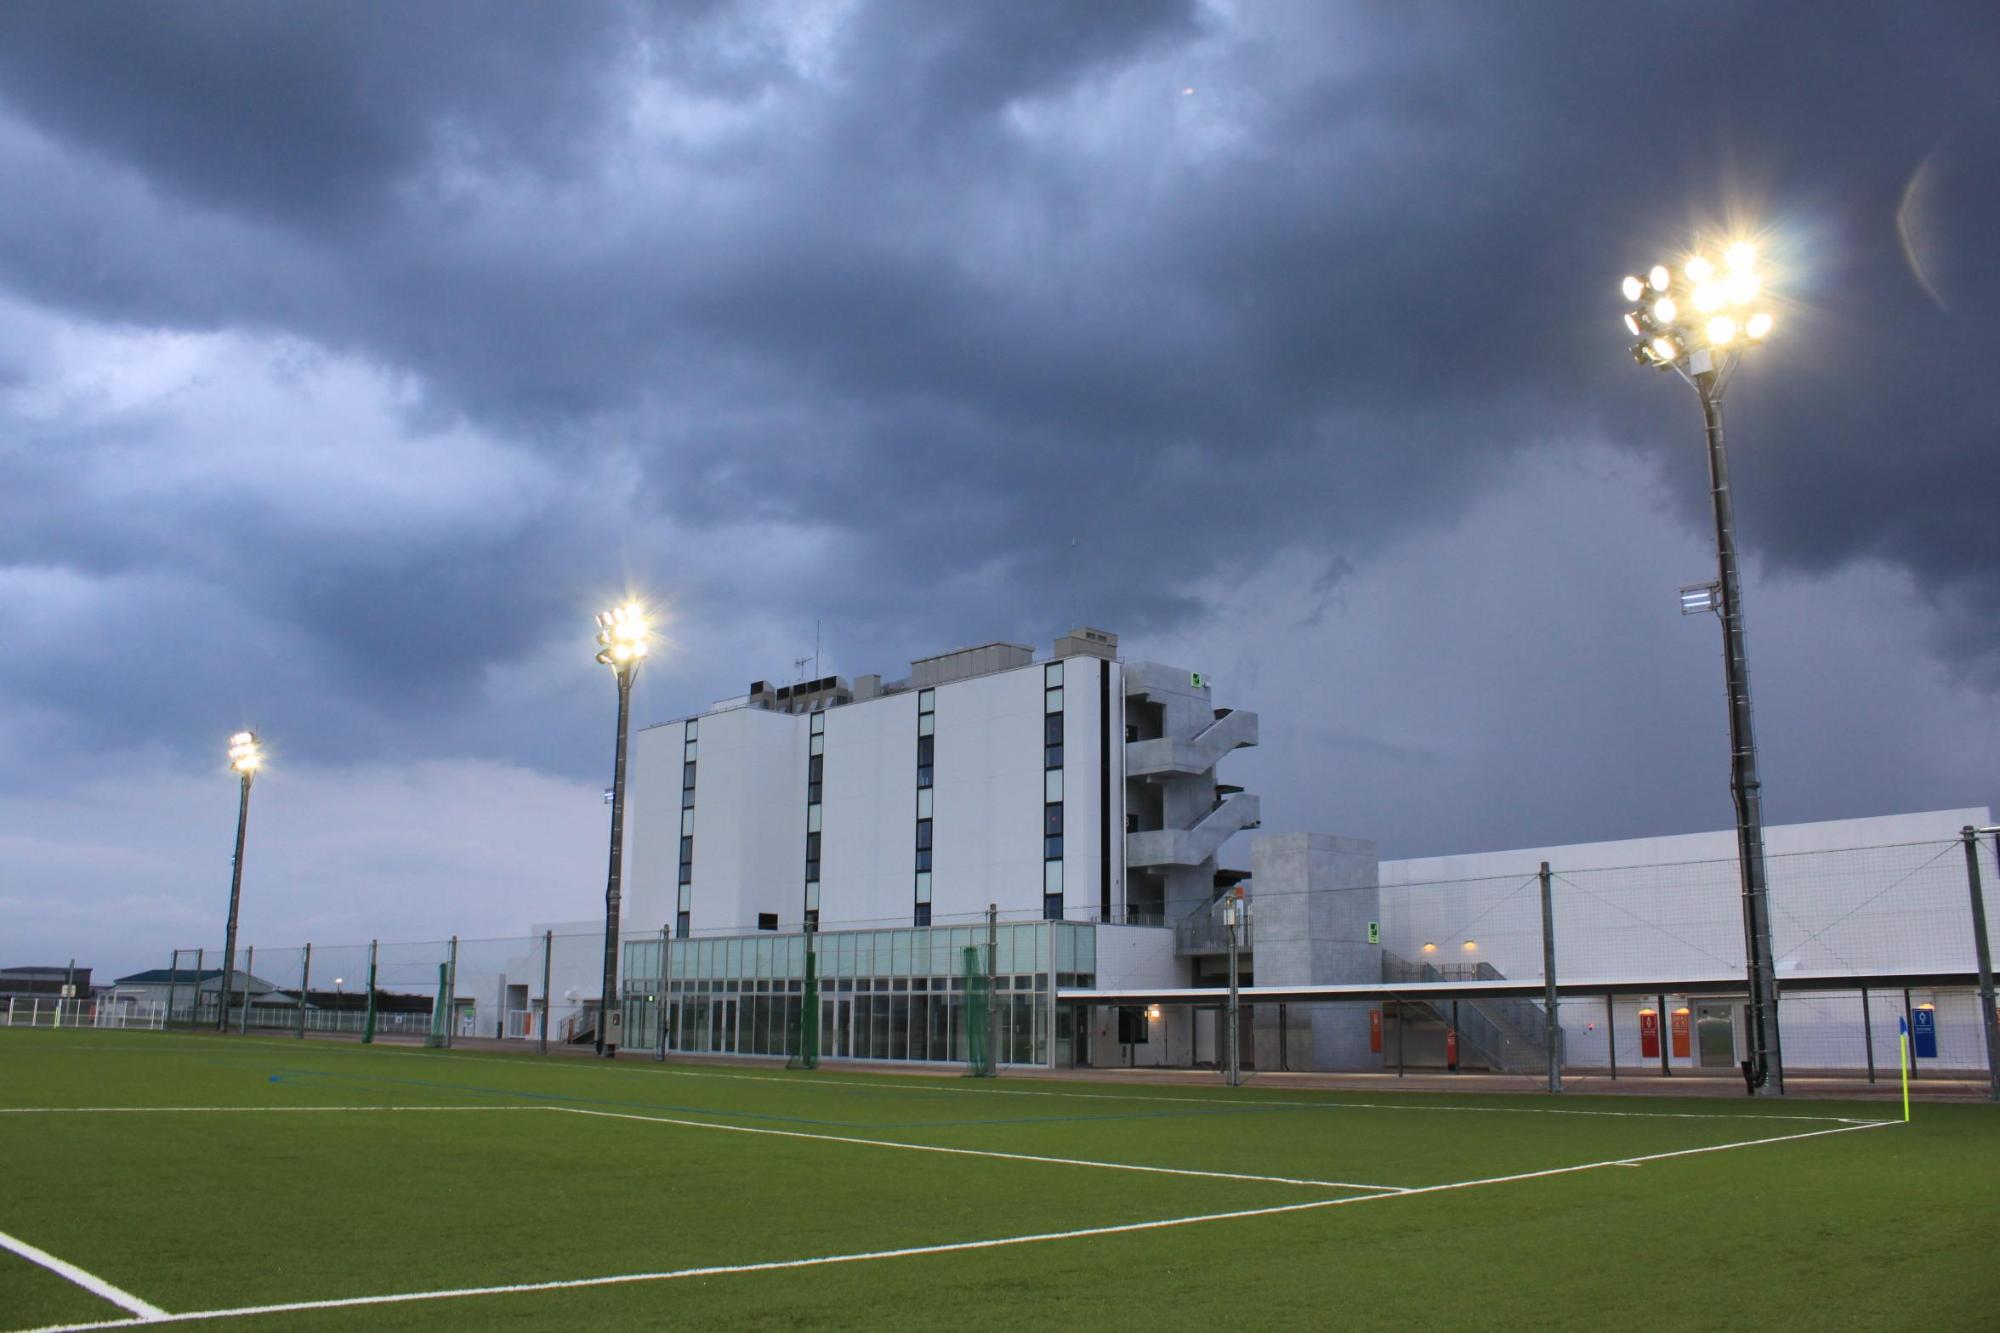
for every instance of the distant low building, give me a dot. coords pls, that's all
(44, 982)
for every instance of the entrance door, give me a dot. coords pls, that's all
(1715, 1035)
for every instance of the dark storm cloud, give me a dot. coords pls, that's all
(312, 113)
(966, 284)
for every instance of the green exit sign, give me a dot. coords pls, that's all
(1197, 680)
(1374, 932)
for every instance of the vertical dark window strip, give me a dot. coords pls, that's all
(1104, 790)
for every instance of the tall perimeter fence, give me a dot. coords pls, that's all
(1594, 972)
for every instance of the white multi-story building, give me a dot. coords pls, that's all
(1074, 788)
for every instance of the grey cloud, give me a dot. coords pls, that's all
(873, 304)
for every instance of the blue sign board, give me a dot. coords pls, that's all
(1923, 1032)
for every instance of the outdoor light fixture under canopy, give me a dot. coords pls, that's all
(1706, 308)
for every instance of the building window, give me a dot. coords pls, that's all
(767, 920)
(685, 900)
(815, 790)
(926, 755)
(1052, 792)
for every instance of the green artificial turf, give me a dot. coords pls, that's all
(214, 1209)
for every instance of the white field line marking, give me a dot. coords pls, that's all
(903, 1083)
(918, 1250)
(90, 1282)
(983, 1152)
(263, 1110)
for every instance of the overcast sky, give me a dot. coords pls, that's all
(353, 355)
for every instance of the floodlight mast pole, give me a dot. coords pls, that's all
(244, 758)
(623, 634)
(1695, 329)
(1766, 1061)
(609, 994)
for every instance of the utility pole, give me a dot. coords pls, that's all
(1550, 1000)
(1983, 951)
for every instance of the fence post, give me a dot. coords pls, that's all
(660, 995)
(451, 994)
(1660, 1025)
(993, 988)
(548, 945)
(173, 987)
(1611, 1032)
(196, 1012)
(1989, 1026)
(368, 1023)
(249, 971)
(1868, 1033)
(1551, 1032)
(305, 989)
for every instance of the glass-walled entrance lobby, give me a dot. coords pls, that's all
(883, 994)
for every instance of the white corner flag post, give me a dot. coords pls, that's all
(1903, 1059)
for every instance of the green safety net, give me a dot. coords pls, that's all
(804, 1043)
(434, 1039)
(978, 1020)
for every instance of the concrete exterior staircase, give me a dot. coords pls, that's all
(1233, 729)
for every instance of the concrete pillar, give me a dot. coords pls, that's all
(1312, 897)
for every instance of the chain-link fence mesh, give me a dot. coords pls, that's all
(1649, 959)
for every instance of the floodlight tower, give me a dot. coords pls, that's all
(622, 635)
(1697, 323)
(244, 758)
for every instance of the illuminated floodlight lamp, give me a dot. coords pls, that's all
(623, 636)
(244, 754)
(1704, 307)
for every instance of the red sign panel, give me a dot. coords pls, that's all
(1680, 1034)
(1649, 1034)
(1375, 1031)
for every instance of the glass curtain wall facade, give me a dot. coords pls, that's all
(884, 994)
